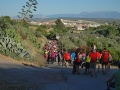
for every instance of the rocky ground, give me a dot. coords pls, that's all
(17, 76)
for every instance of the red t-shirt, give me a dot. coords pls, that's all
(67, 56)
(93, 56)
(78, 58)
(98, 55)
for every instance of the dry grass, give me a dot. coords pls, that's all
(33, 27)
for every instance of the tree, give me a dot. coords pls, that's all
(114, 23)
(51, 35)
(7, 18)
(26, 11)
(59, 24)
(42, 30)
(3, 23)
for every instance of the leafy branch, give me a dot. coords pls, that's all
(26, 12)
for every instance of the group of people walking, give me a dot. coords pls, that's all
(93, 60)
(80, 58)
(50, 51)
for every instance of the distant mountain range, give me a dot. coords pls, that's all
(97, 14)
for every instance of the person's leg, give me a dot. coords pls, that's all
(81, 65)
(66, 63)
(48, 60)
(103, 67)
(86, 68)
(98, 67)
(76, 66)
(58, 61)
(91, 72)
(78, 71)
(95, 70)
(69, 63)
(91, 69)
(72, 60)
(106, 63)
(52, 60)
(108, 66)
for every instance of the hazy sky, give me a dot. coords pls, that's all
(48, 7)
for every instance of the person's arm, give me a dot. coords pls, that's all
(111, 78)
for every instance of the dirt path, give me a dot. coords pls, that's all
(16, 76)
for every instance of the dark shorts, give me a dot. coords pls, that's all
(93, 66)
(77, 63)
(67, 61)
(104, 63)
(87, 65)
(110, 61)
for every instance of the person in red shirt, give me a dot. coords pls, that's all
(67, 58)
(93, 59)
(105, 58)
(78, 61)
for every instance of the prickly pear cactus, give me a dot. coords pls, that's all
(8, 46)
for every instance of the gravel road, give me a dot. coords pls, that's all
(16, 76)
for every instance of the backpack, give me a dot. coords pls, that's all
(78, 58)
(105, 56)
(83, 57)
